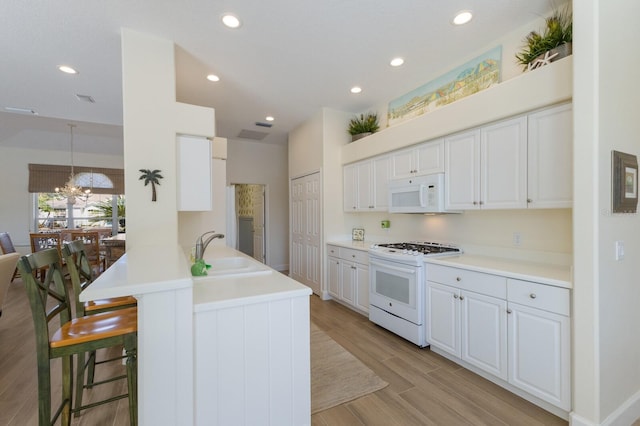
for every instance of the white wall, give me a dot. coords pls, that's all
(16, 204)
(305, 147)
(606, 291)
(545, 233)
(152, 118)
(266, 164)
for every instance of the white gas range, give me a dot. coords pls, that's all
(397, 286)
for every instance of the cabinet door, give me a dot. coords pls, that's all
(366, 200)
(362, 287)
(484, 332)
(348, 278)
(350, 187)
(550, 155)
(443, 317)
(430, 157)
(403, 163)
(194, 173)
(503, 165)
(334, 267)
(539, 358)
(381, 171)
(462, 168)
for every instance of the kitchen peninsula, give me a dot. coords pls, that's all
(230, 348)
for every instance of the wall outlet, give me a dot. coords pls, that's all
(517, 239)
(385, 224)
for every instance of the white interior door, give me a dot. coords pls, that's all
(305, 231)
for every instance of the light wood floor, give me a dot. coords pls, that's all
(424, 388)
(18, 381)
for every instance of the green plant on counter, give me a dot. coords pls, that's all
(557, 31)
(366, 123)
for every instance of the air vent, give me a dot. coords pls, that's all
(21, 110)
(267, 125)
(86, 98)
(252, 134)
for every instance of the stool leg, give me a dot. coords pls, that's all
(67, 385)
(79, 383)
(44, 390)
(130, 346)
(91, 368)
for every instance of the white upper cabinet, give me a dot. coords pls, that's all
(422, 159)
(550, 154)
(365, 185)
(487, 167)
(503, 164)
(194, 173)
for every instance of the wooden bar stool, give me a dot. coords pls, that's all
(81, 274)
(50, 302)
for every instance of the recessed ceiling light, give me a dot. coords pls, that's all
(396, 62)
(462, 17)
(269, 118)
(231, 20)
(213, 77)
(67, 69)
(356, 89)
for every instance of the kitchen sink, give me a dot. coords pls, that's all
(233, 266)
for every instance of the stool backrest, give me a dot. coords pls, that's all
(79, 271)
(40, 293)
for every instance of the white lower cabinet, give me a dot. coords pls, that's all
(468, 325)
(539, 341)
(517, 331)
(348, 276)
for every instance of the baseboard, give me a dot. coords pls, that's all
(282, 267)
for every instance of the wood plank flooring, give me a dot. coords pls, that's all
(424, 388)
(18, 381)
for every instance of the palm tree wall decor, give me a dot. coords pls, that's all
(153, 177)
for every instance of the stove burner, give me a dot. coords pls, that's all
(425, 248)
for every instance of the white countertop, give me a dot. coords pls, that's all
(555, 275)
(151, 269)
(550, 274)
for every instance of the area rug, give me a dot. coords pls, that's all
(336, 375)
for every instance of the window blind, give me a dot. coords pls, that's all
(46, 177)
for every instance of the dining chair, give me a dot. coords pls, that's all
(7, 247)
(58, 335)
(42, 241)
(80, 273)
(8, 264)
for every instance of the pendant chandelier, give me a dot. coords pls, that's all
(70, 190)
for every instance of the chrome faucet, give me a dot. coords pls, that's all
(202, 246)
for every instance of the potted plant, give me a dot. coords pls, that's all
(362, 126)
(555, 38)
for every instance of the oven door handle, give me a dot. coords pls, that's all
(410, 271)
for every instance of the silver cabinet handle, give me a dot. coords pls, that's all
(455, 296)
(533, 295)
(509, 311)
(481, 202)
(353, 267)
(529, 200)
(475, 203)
(461, 297)
(458, 279)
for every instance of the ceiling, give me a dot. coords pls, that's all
(288, 59)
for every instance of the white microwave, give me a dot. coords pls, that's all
(420, 194)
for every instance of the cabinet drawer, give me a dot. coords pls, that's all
(333, 251)
(490, 285)
(540, 296)
(354, 255)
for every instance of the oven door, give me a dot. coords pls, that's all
(397, 288)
